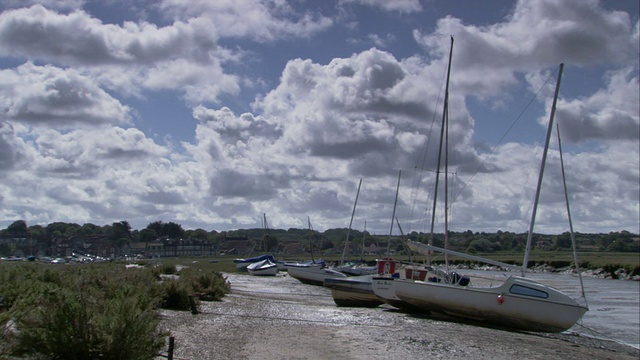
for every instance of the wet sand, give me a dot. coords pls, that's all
(281, 318)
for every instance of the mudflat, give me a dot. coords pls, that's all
(281, 318)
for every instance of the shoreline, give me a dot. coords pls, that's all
(281, 318)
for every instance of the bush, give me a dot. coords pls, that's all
(168, 269)
(204, 285)
(84, 313)
(176, 294)
(207, 285)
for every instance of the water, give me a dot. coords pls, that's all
(614, 305)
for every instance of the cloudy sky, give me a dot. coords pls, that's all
(212, 113)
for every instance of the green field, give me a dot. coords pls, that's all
(590, 260)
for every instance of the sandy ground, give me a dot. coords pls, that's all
(281, 318)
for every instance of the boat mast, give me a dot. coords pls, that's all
(313, 261)
(393, 215)
(364, 236)
(442, 140)
(542, 165)
(265, 236)
(566, 198)
(346, 243)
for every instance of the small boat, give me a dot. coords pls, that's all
(264, 267)
(352, 291)
(313, 273)
(519, 303)
(357, 269)
(241, 264)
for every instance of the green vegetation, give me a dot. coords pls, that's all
(92, 311)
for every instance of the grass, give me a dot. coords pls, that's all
(100, 310)
(588, 260)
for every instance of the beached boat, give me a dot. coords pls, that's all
(383, 285)
(313, 274)
(264, 267)
(354, 291)
(519, 303)
(355, 269)
(241, 264)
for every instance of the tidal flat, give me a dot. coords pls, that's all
(281, 318)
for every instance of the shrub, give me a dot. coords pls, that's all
(84, 313)
(205, 285)
(168, 269)
(176, 294)
(208, 285)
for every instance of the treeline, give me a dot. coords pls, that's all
(120, 233)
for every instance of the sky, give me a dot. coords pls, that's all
(214, 114)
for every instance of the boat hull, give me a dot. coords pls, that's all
(313, 274)
(241, 264)
(518, 304)
(384, 286)
(353, 291)
(263, 268)
(385, 290)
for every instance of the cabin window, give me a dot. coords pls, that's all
(527, 291)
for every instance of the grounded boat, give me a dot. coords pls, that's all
(518, 303)
(264, 267)
(383, 285)
(313, 274)
(241, 264)
(355, 269)
(353, 291)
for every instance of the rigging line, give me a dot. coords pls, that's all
(486, 158)
(417, 183)
(566, 197)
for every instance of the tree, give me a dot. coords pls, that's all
(157, 227)
(18, 229)
(563, 241)
(147, 235)
(198, 234)
(121, 234)
(172, 230)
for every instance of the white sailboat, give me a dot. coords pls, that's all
(519, 303)
(384, 286)
(264, 267)
(311, 272)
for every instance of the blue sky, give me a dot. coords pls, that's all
(211, 113)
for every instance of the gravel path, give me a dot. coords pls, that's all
(281, 318)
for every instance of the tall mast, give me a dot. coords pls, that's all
(542, 165)
(442, 140)
(364, 237)
(346, 243)
(393, 215)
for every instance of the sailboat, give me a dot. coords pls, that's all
(311, 272)
(265, 267)
(384, 285)
(265, 261)
(519, 303)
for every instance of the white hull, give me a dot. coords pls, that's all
(384, 286)
(241, 264)
(519, 303)
(263, 268)
(313, 274)
(358, 270)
